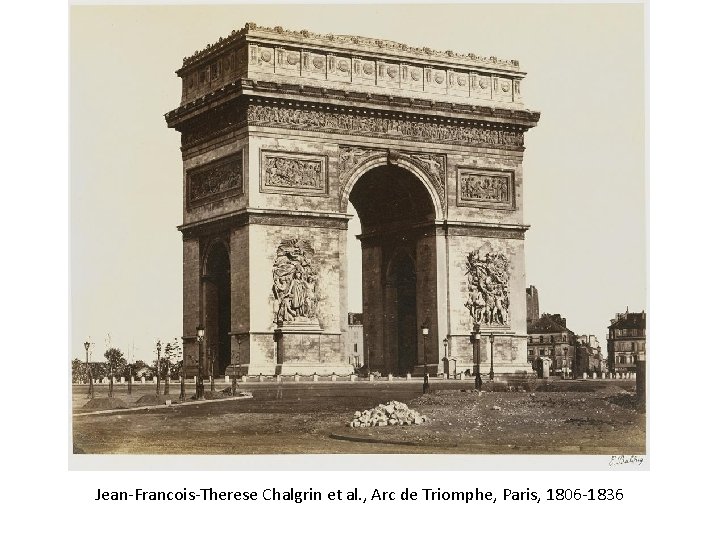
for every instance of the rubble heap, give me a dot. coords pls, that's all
(393, 413)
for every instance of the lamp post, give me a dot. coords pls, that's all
(130, 378)
(88, 369)
(426, 380)
(182, 379)
(447, 359)
(199, 390)
(492, 372)
(157, 378)
(476, 345)
(211, 354)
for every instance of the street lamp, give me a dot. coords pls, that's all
(211, 354)
(199, 390)
(492, 372)
(446, 359)
(426, 380)
(476, 345)
(182, 379)
(88, 369)
(157, 378)
(130, 378)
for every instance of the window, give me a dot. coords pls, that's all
(552, 339)
(355, 347)
(564, 337)
(529, 339)
(531, 352)
(541, 339)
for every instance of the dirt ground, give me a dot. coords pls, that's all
(576, 418)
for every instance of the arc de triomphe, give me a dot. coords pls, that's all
(280, 129)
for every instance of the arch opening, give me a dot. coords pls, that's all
(394, 209)
(217, 309)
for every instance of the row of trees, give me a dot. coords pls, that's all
(117, 364)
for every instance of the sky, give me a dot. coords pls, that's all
(584, 172)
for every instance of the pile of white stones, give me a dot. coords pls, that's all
(393, 413)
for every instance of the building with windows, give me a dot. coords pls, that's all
(549, 337)
(354, 342)
(588, 355)
(626, 342)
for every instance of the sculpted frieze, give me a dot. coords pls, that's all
(214, 181)
(488, 277)
(295, 173)
(479, 187)
(355, 123)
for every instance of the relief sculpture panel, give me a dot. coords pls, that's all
(301, 174)
(488, 277)
(214, 181)
(295, 280)
(486, 188)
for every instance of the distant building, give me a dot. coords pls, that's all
(549, 337)
(354, 341)
(588, 355)
(533, 303)
(626, 341)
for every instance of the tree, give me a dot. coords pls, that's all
(79, 371)
(173, 357)
(116, 362)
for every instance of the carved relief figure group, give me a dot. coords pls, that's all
(286, 172)
(488, 277)
(294, 282)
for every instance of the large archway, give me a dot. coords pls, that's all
(216, 284)
(394, 209)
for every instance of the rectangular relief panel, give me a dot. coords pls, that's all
(216, 180)
(293, 173)
(486, 188)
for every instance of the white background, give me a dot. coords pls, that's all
(40, 497)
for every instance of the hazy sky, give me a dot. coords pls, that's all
(584, 170)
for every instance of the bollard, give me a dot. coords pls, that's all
(584, 375)
(154, 380)
(462, 375)
(244, 378)
(122, 380)
(333, 378)
(227, 378)
(315, 377)
(409, 376)
(297, 378)
(353, 378)
(594, 375)
(261, 378)
(602, 375)
(278, 378)
(390, 377)
(372, 377)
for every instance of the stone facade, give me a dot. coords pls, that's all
(549, 337)
(626, 342)
(280, 131)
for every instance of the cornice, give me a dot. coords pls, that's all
(349, 98)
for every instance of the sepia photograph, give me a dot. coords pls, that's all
(358, 230)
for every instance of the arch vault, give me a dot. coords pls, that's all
(280, 130)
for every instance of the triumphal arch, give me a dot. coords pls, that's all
(280, 131)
